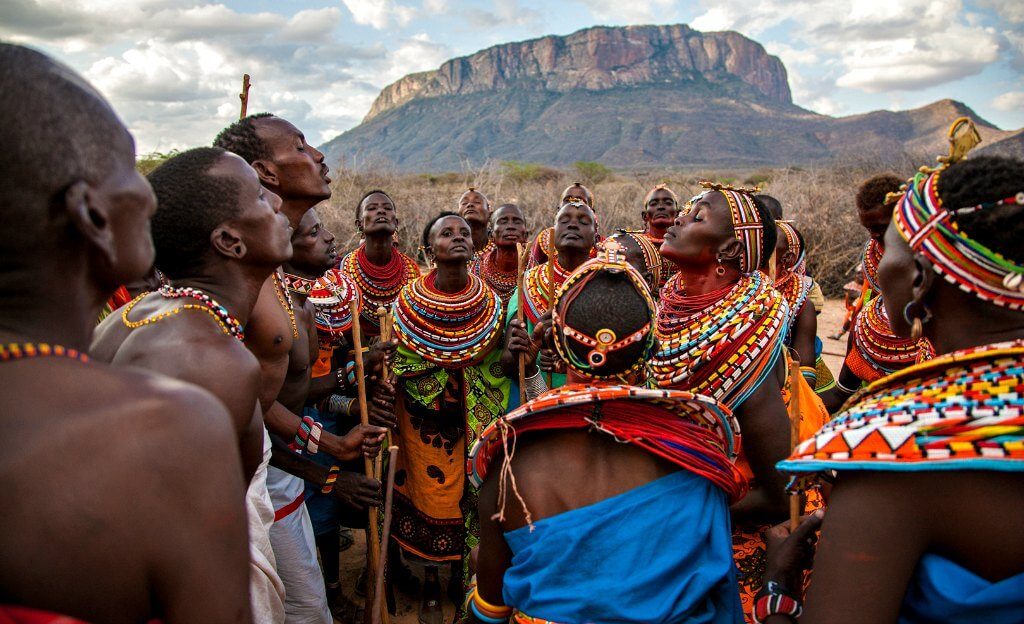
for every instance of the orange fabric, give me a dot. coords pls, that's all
(323, 365)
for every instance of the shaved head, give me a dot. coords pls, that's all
(56, 130)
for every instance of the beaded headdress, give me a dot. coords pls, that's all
(793, 246)
(930, 229)
(610, 258)
(746, 221)
(652, 258)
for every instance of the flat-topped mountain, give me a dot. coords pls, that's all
(624, 96)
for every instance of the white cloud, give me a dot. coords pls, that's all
(418, 53)
(1010, 10)
(1010, 101)
(379, 13)
(633, 12)
(312, 25)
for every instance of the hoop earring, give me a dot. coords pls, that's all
(916, 320)
(719, 270)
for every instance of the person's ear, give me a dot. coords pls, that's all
(644, 216)
(91, 217)
(924, 279)
(731, 251)
(788, 259)
(267, 172)
(227, 242)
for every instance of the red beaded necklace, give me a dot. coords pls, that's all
(27, 350)
(379, 285)
(230, 324)
(500, 282)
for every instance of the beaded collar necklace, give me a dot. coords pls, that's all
(378, 285)
(539, 291)
(723, 345)
(452, 330)
(330, 295)
(960, 411)
(877, 350)
(229, 325)
(30, 350)
(795, 288)
(872, 256)
(486, 266)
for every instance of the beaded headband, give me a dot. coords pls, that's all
(661, 187)
(611, 257)
(746, 221)
(793, 246)
(652, 258)
(930, 230)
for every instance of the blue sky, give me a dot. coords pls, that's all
(172, 68)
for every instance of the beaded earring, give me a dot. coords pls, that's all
(916, 321)
(719, 270)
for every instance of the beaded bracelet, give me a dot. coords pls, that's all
(332, 476)
(347, 376)
(773, 600)
(338, 404)
(308, 436)
(487, 612)
(810, 374)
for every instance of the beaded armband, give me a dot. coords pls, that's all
(810, 374)
(332, 476)
(347, 375)
(487, 612)
(307, 438)
(773, 600)
(338, 404)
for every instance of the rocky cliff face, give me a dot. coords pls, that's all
(598, 59)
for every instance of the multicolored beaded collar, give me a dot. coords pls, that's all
(486, 267)
(29, 350)
(872, 255)
(378, 285)
(931, 229)
(229, 325)
(794, 247)
(877, 351)
(330, 295)
(610, 258)
(539, 290)
(724, 347)
(690, 430)
(795, 288)
(452, 330)
(960, 411)
(746, 221)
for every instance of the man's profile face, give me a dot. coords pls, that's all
(261, 225)
(313, 245)
(300, 168)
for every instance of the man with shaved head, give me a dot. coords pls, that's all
(103, 469)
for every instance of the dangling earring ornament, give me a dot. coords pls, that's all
(916, 321)
(719, 270)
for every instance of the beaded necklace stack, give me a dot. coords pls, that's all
(330, 295)
(960, 411)
(452, 330)
(794, 288)
(229, 325)
(722, 344)
(30, 350)
(872, 256)
(539, 290)
(878, 352)
(486, 267)
(378, 285)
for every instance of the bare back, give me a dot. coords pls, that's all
(102, 477)
(190, 346)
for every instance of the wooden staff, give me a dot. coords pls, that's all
(372, 550)
(384, 319)
(794, 436)
(521, 261)
(380, 612)
(244, 96)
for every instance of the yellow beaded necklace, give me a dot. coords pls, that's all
(286, 303)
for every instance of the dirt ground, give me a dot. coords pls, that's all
(353, 560)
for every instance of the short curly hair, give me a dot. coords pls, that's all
(190, 204)
(241, 138)
(432, 221)
(981, 180)
(871, 193)
(359, 204)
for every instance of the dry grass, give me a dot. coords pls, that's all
(820, 200)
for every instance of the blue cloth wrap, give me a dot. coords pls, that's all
(661, 552)
(942, 591)
(324, 509)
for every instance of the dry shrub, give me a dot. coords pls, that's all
(820, 200)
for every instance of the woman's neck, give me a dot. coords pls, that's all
(961, 321)
(506, 259)
(451, 277)
(379, 249)
(702, 282)
(480, 239)
(571, 258)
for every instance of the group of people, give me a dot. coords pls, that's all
(594, 426)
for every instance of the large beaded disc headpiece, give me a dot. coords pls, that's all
(610, 258)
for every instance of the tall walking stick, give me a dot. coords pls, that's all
(384, 319)
(244, 96)
(519, 317)
(551, 302)
(373, 548)
(379, 610)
